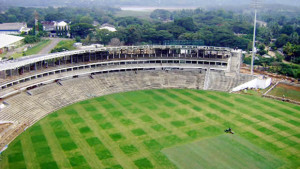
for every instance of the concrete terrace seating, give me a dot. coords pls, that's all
(218, 80)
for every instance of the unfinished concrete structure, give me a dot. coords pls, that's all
(31, 67)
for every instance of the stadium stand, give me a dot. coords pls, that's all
(33, 95)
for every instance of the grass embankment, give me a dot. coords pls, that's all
(132, 130)
(64, 45)
(287, 91)
(34, 50)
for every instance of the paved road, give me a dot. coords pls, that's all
(48, 48)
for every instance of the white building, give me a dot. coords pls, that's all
(108, 27)
(9, 42)
(56, 28)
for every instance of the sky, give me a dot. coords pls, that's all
(144, 2)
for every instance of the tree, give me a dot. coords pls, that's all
(282, 40)
(126, 21)
(86, 19)
(161, 14)
(294, 38)
(115, 42)
(186, 23)
(54, 16)
(133, 34)
(81, 29)
(31, 39)
(265, 34)
(262, 50)
(104, 36)
(287, 29)
(275, 29)
(292, 52)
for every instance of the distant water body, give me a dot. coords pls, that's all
(147, 8)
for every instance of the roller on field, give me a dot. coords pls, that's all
(229, 130)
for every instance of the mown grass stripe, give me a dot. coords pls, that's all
(154, 120)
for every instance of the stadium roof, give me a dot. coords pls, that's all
(13, 64)
(6, 40)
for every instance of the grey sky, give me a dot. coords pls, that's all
(143, 2)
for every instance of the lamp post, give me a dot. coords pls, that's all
(255, 5)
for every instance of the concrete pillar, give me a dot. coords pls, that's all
(2, 74)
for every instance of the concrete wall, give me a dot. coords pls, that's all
(255, 83)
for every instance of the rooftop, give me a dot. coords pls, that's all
(6, 40)
(109, 27)
(12, 26)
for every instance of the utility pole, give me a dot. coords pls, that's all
(255, 4)
(36, 22)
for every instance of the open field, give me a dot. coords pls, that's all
(34, 50)
(290, 92)
(64, 44)
(224, 151)
(136, 129)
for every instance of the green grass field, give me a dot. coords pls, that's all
(148, 129)
(34, 50)
(64, 44)
(284, 90)
(224, 151)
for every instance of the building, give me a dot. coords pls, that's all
(56, 28)
(262, 23)
(266, 56)
(108, 27)
(14, 28)
(9, 42)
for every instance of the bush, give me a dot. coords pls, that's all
(64, 45)
(77, 39)
(262, 52)
(31, 39)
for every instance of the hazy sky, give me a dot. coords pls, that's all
(143, 2)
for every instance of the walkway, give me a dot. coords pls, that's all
(48, 48)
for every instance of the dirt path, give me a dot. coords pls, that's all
(271, 53)
(48, 48)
